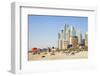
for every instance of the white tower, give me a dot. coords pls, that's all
(79, 34)
(61, 39)
(86, 39)
(66, 36)
(72, 33)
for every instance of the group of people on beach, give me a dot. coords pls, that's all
(44, 50)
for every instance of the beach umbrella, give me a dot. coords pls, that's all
(34, 49)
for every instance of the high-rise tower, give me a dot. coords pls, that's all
(69, 36)
(79, 34)
(86, 39)
(61, 39)
(72, 31)
(66, 36)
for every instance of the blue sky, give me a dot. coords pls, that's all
(43, 30)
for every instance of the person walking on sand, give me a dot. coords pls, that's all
(53, 51)
(49, 49)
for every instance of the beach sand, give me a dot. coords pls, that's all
(58, 55)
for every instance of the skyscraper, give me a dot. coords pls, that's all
(66, 36)
(79, 34)
(63, 37)
(72, 31)
(86, 39)
(74, 41)
(69, 36)
(61, 40)
(72, 34)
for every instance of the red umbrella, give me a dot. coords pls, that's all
(34, 49)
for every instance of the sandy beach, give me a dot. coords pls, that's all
(58, 55)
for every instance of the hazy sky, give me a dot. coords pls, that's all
(43, 30)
